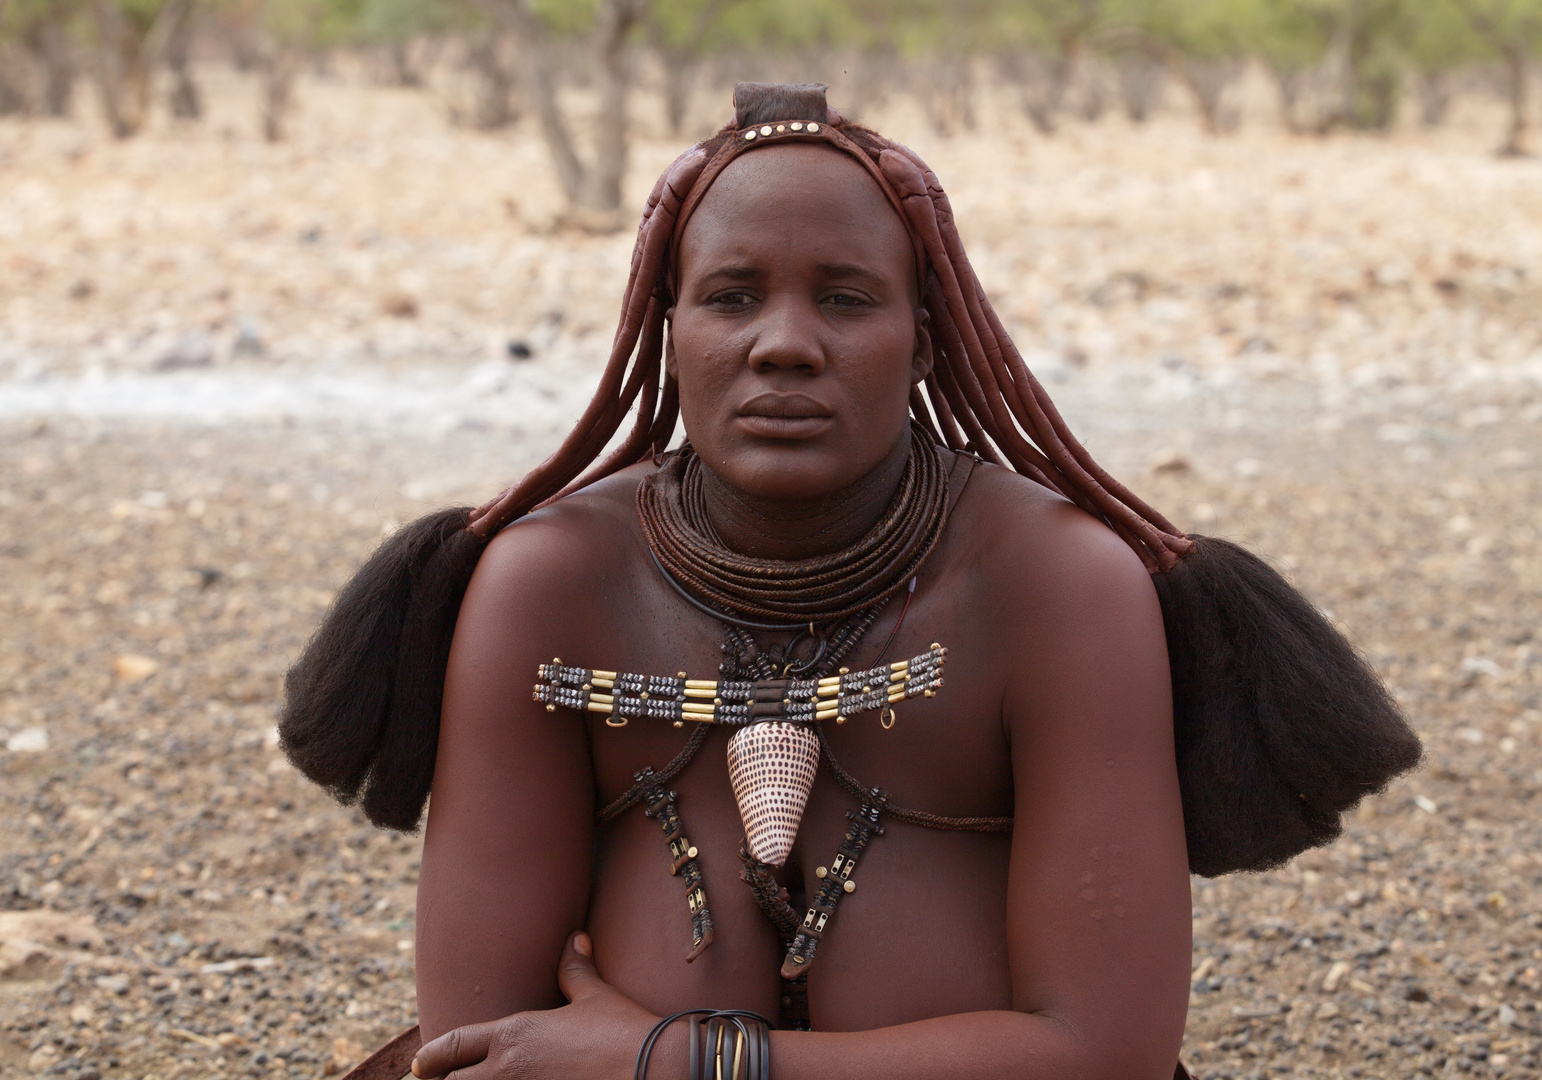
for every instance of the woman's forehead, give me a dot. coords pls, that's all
(796, 188)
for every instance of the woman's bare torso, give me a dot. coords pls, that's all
(927, 931)
(923, 933)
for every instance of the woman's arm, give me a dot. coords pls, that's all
(506, 855)
(1098, 919)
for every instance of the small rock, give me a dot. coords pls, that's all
(1170, 460)
(112, 984)
(83, 289)
(345, 1053)
(194, 349)
(248, 337)
(519, 350)
(1336, 973)
(1508, 1017)
(132, 668)
(400, 305)
(30, 740)
(207, 576)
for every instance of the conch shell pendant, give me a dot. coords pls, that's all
(772, 766)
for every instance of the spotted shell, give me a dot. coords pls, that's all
(772, 766)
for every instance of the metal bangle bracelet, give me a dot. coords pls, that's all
(758, 1065)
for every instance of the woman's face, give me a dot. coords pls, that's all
(797, 334)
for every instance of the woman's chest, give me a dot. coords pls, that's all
(909, 874)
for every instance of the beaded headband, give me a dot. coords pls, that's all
(752, 136)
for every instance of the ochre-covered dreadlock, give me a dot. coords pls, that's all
(1279, 725)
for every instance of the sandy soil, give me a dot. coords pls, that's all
(226, 368)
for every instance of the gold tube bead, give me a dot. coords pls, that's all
(600, 706)
(605, 684)
(609, 676)
(700, 692)
(701, 684)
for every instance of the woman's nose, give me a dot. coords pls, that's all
(787, 339)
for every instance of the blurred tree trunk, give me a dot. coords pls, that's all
(592, 186)
(186, 100)
(279, 66)
(1041, 82)
(1208, 78)
(14, 99)
(1513, 59)
(948, 93)
(1434, 90)
(679, 81)
(403, 71)
(1512, 31)
(1140, 78)
(1092, 90)
(129, 43)
(680, 52)
(48, 40)
(496, 83)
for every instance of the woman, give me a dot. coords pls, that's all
(1024, 826)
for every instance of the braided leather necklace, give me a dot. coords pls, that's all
(791, 593)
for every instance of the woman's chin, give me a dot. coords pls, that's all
(792, 471)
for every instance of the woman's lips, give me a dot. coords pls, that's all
(784, 427)
(784, 416)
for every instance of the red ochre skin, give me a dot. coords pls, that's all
(1060, 951)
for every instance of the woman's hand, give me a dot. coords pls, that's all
(594, 1037)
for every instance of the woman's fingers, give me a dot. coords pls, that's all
(453, 1050)
(577, 976)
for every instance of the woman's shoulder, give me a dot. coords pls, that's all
(583, 540)
(1036, 544)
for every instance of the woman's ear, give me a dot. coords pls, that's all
(921, 363)
(671, 367)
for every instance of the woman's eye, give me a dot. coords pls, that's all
(732, 299)
(846, 300)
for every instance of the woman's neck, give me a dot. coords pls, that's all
(803, 528)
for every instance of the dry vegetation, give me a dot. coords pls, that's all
(226, 366)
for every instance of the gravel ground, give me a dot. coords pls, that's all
(1326, 349)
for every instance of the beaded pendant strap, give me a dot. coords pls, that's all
(621, 697)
